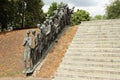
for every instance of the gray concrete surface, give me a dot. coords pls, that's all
(94, 53)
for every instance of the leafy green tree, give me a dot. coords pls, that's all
(3, 14)
(80, 15)
(51, 9)
(33, 13)
(113, 10)
(61, 4)
(99, 17)
(11, 13)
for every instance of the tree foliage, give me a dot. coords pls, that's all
(113, 10)
(51, 9)
(99, 17)
(34, 12)
(54, 6)
(80, 15)
(11, 13)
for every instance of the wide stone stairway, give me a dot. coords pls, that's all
(94, 53)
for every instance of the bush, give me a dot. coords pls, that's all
(80, 15)
(113, 10)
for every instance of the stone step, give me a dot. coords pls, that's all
(88, 75)
(114, 40)
(97, 36)
(81, 78)
(95, 64)
(93, 51)
(97, 59)
(101, 21)
(95, 33)
(98, 39)
(74, 72)
(79, 38)
(99, 70)
(90, 49)
(115, 36)
(89, 70)
(92, 54)
(93, 57)
(101, 28)
(95, 42)
(103, 32)
(100, 33)
(90, 66)
(93, 45)
(96, 28)
(90, 61)
(113, 50)
(94, 21)
(99, 24)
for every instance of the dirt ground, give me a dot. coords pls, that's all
(54, 57)
(11, 54)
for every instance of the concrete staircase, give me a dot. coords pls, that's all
(94, 53)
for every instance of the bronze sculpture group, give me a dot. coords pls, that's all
(38, 43)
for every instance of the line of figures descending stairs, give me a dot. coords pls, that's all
(36, 45)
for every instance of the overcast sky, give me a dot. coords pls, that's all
(94, 7)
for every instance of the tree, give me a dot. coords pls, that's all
(80, 15)
(54, 6)
(113, 10)
(99, 17)
(51, 9)
(11, 13)
(3, 14)
(34, 13)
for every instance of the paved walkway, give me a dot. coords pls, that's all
(94, 53)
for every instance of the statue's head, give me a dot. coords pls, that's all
(44, 22)
(48, 15)
(73, 7)
(66, 5)
(51, 17)
(39, 35)
(58, 8)
(62, 9)
(33, 32)
(47, 20)
(28, 32)
(56, 11)
(38, 25)
(50, 22)
(41, 28)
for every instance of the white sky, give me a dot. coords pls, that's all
(94, 7)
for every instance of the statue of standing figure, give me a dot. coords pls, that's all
(27, 51)
(34, 46)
